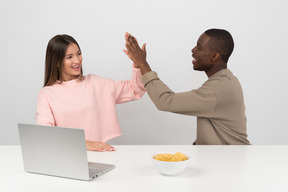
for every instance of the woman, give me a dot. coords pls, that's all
(69, 99)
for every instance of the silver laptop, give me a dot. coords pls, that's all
(57, 151)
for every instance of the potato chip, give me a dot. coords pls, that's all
(171, 158)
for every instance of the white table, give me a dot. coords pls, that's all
(212, 168)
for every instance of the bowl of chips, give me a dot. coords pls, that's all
(170, 163)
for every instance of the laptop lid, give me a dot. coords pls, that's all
(54, 151)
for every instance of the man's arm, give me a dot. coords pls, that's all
(200, 102)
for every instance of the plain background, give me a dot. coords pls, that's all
(171, 30)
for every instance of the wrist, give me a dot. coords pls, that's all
(144, 67)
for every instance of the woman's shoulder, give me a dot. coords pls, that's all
(48, 89)
(99, 81)
(97, 78)
(93, 76)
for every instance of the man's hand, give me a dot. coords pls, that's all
(136, 54)
(98, 146)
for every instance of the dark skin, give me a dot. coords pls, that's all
(136, 54)
(206, 58)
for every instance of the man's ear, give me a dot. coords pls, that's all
(216, 56)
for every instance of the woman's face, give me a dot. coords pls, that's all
(72, 63)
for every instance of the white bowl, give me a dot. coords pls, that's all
(170, 168)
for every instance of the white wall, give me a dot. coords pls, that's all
(170, 29)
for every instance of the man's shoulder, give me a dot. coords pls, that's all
(222, 76)
(225, 82)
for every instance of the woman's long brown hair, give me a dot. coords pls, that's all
(55, 53)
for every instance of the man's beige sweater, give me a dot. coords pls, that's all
(218, 105)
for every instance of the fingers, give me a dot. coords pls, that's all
(144, 47)
(126, 36)
(131, 42)
(104, 147)
(99, 146)
(125, 51)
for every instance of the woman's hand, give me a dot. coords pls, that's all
(98, 146)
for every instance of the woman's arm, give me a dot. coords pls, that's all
(129, 90)
(44, 114)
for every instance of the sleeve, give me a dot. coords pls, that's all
(130, 90)
(44, 115)
(200, 102)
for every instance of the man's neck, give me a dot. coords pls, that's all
(214, 70)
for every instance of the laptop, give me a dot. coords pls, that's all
(58, 151)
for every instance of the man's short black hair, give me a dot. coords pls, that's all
(221, 41)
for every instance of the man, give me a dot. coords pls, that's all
(218, 103)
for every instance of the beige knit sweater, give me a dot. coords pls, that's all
(218, 105)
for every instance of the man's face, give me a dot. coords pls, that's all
(202, 54)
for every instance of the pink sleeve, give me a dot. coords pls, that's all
(130, 90)
(44, 114)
